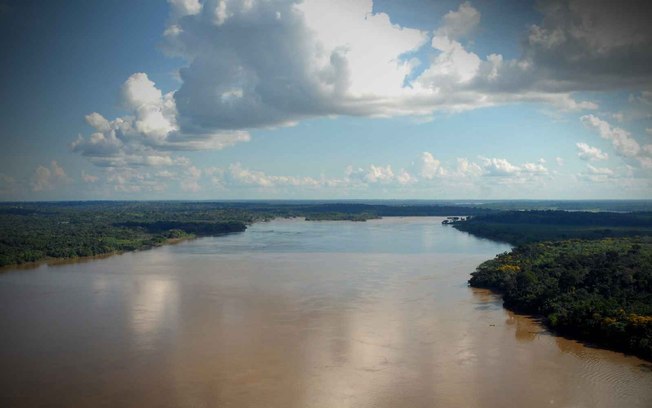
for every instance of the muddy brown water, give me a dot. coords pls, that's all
(294, 314)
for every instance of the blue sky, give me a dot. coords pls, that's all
(221, 99)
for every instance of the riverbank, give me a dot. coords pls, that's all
(598, 291)
(90, 258)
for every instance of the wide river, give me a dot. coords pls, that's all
(294, 314)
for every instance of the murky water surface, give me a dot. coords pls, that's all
(294, 314)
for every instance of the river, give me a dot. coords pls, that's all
(294, 314)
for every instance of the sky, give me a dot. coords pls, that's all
(325, 99)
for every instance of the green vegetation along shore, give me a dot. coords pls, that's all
(35, 232)
(595, 290)
(41, 232)
(588, 275)
(521, 227)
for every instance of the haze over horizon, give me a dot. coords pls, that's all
(317, 99)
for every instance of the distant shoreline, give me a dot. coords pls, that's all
(89, 258)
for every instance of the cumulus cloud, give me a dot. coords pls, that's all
(181, 8)
(258, 64)
(504, 172)
(624, 177)
(430, 167)
(89, 178)
(426, 174)
(467, 168)
(148, 135)
(495, 167)
(534, 168)
(598, 174)
(136, 180)
(404, 177)
(621, 140)
(190, 180)
(590, 153)
(237, 174)
(253, 64)
(377, 174)
(272, 63)
(47, 178)
(584, 44)
(645, 161)
(461, 22)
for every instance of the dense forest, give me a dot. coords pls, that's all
(32, 232)
(38, 231)
(595, 290)
(521, 227)
(35, 232)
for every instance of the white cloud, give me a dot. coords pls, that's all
(321, 58)
(310, 58)
(190, 181)
(148, 135)
(559, 161)
(454, 64)
(89, 178)
(461, 22)
(590, 153)
(619, 116)
(645, 162)
(377, 174)
(430, 167)
(47, 178)
(405, 178)
(182, 8)
(134, 180)
(468, 169)
(534, 168)
(598, 174)
(350, 34)
(251, 64)
(98, 121)
(621, 140)
(236, 174)
(584, 44)
(498, 167)
(504, 172)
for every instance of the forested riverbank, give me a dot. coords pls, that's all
(522, 227)
(588, 275)
(41, 232)
(35, 232)
(595, 290)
